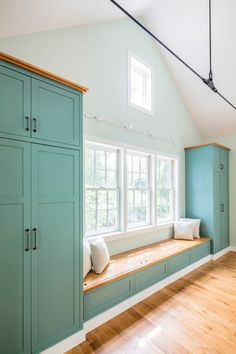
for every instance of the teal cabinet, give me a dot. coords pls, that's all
(55, 113)
(207, 192)
(14, 102)
(150, 276)
(55, 244)
(41, 208)
(39, 109)
(14, 247)
(103, 298)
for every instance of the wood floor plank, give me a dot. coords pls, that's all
(194, 315)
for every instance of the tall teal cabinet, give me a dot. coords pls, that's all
(40, 208)
(207, 191)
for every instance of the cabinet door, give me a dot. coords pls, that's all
(56, 283)
(14, 259)
(56, 113)
(14, 102)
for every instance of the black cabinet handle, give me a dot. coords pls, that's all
(35, 239)
(34, 125)
(222, 208)
(27, 123)
(221, 166)
(27, 232)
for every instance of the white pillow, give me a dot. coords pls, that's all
(183, 230)
(100, 255)
(87, 265)
(196, 229)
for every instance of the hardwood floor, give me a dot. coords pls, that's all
(196, 314)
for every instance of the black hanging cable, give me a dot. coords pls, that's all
(209, 80)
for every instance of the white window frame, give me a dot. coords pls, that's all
(148, 79)
(124, 231)
(96, 146)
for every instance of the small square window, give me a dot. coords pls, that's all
(140, 84)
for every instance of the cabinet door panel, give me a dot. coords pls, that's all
(56, 287)
(224, 221)
(56, 112)
(14, 102)
(14, 260)
(224, 160)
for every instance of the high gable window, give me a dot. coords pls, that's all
(140, 84)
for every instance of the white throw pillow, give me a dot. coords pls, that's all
(196, 222)
(87, 263)
(100, 255)
(183, 230)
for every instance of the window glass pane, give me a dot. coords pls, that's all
(90, 199)
(89, 158)
(111, 161)
(136, 181)
(129, 180)
(102, 219)
(100, 178)
(100, 159)
(89, 177)
(111, 179)
(112, 199)
(112, 218)
(129, 162)
(102, 199)
(136, 163)
(90, 221)
(143, 182)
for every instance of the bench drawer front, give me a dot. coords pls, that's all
(178, 262)
(200, 252)
(103, 298)
(150, 276)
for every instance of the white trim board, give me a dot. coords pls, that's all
(79, 337)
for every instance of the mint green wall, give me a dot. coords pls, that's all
(96, 56)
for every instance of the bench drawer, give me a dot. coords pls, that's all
(200, 252)
(150, 276)
(178, 262)
(103, 298)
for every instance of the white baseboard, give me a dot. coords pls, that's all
(66, 344)
(221, 253)
(79, 337)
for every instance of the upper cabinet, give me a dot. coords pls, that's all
(40, 108)
(55, 113)
(14, 102)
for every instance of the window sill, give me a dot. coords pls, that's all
(132, 233)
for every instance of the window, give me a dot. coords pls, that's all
(138, 199)
(140, 85)
(165, 190)
(102, 192)
(126, 189)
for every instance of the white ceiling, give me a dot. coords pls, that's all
(28, 16)
(182, 25)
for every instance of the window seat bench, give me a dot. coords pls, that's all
(133, 271)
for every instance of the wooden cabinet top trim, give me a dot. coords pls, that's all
(36, 70)
(133, 261)
(214, 144)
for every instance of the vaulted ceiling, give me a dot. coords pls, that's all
(181, 24)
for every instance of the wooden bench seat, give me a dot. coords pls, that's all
(133, 261)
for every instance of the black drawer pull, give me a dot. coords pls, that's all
(34, 125)
(35, 239)
(222, 166)
(27, 232)
(222, 208)
(27, 123)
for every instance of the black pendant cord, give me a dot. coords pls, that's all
(210, 45)
(209, 80)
